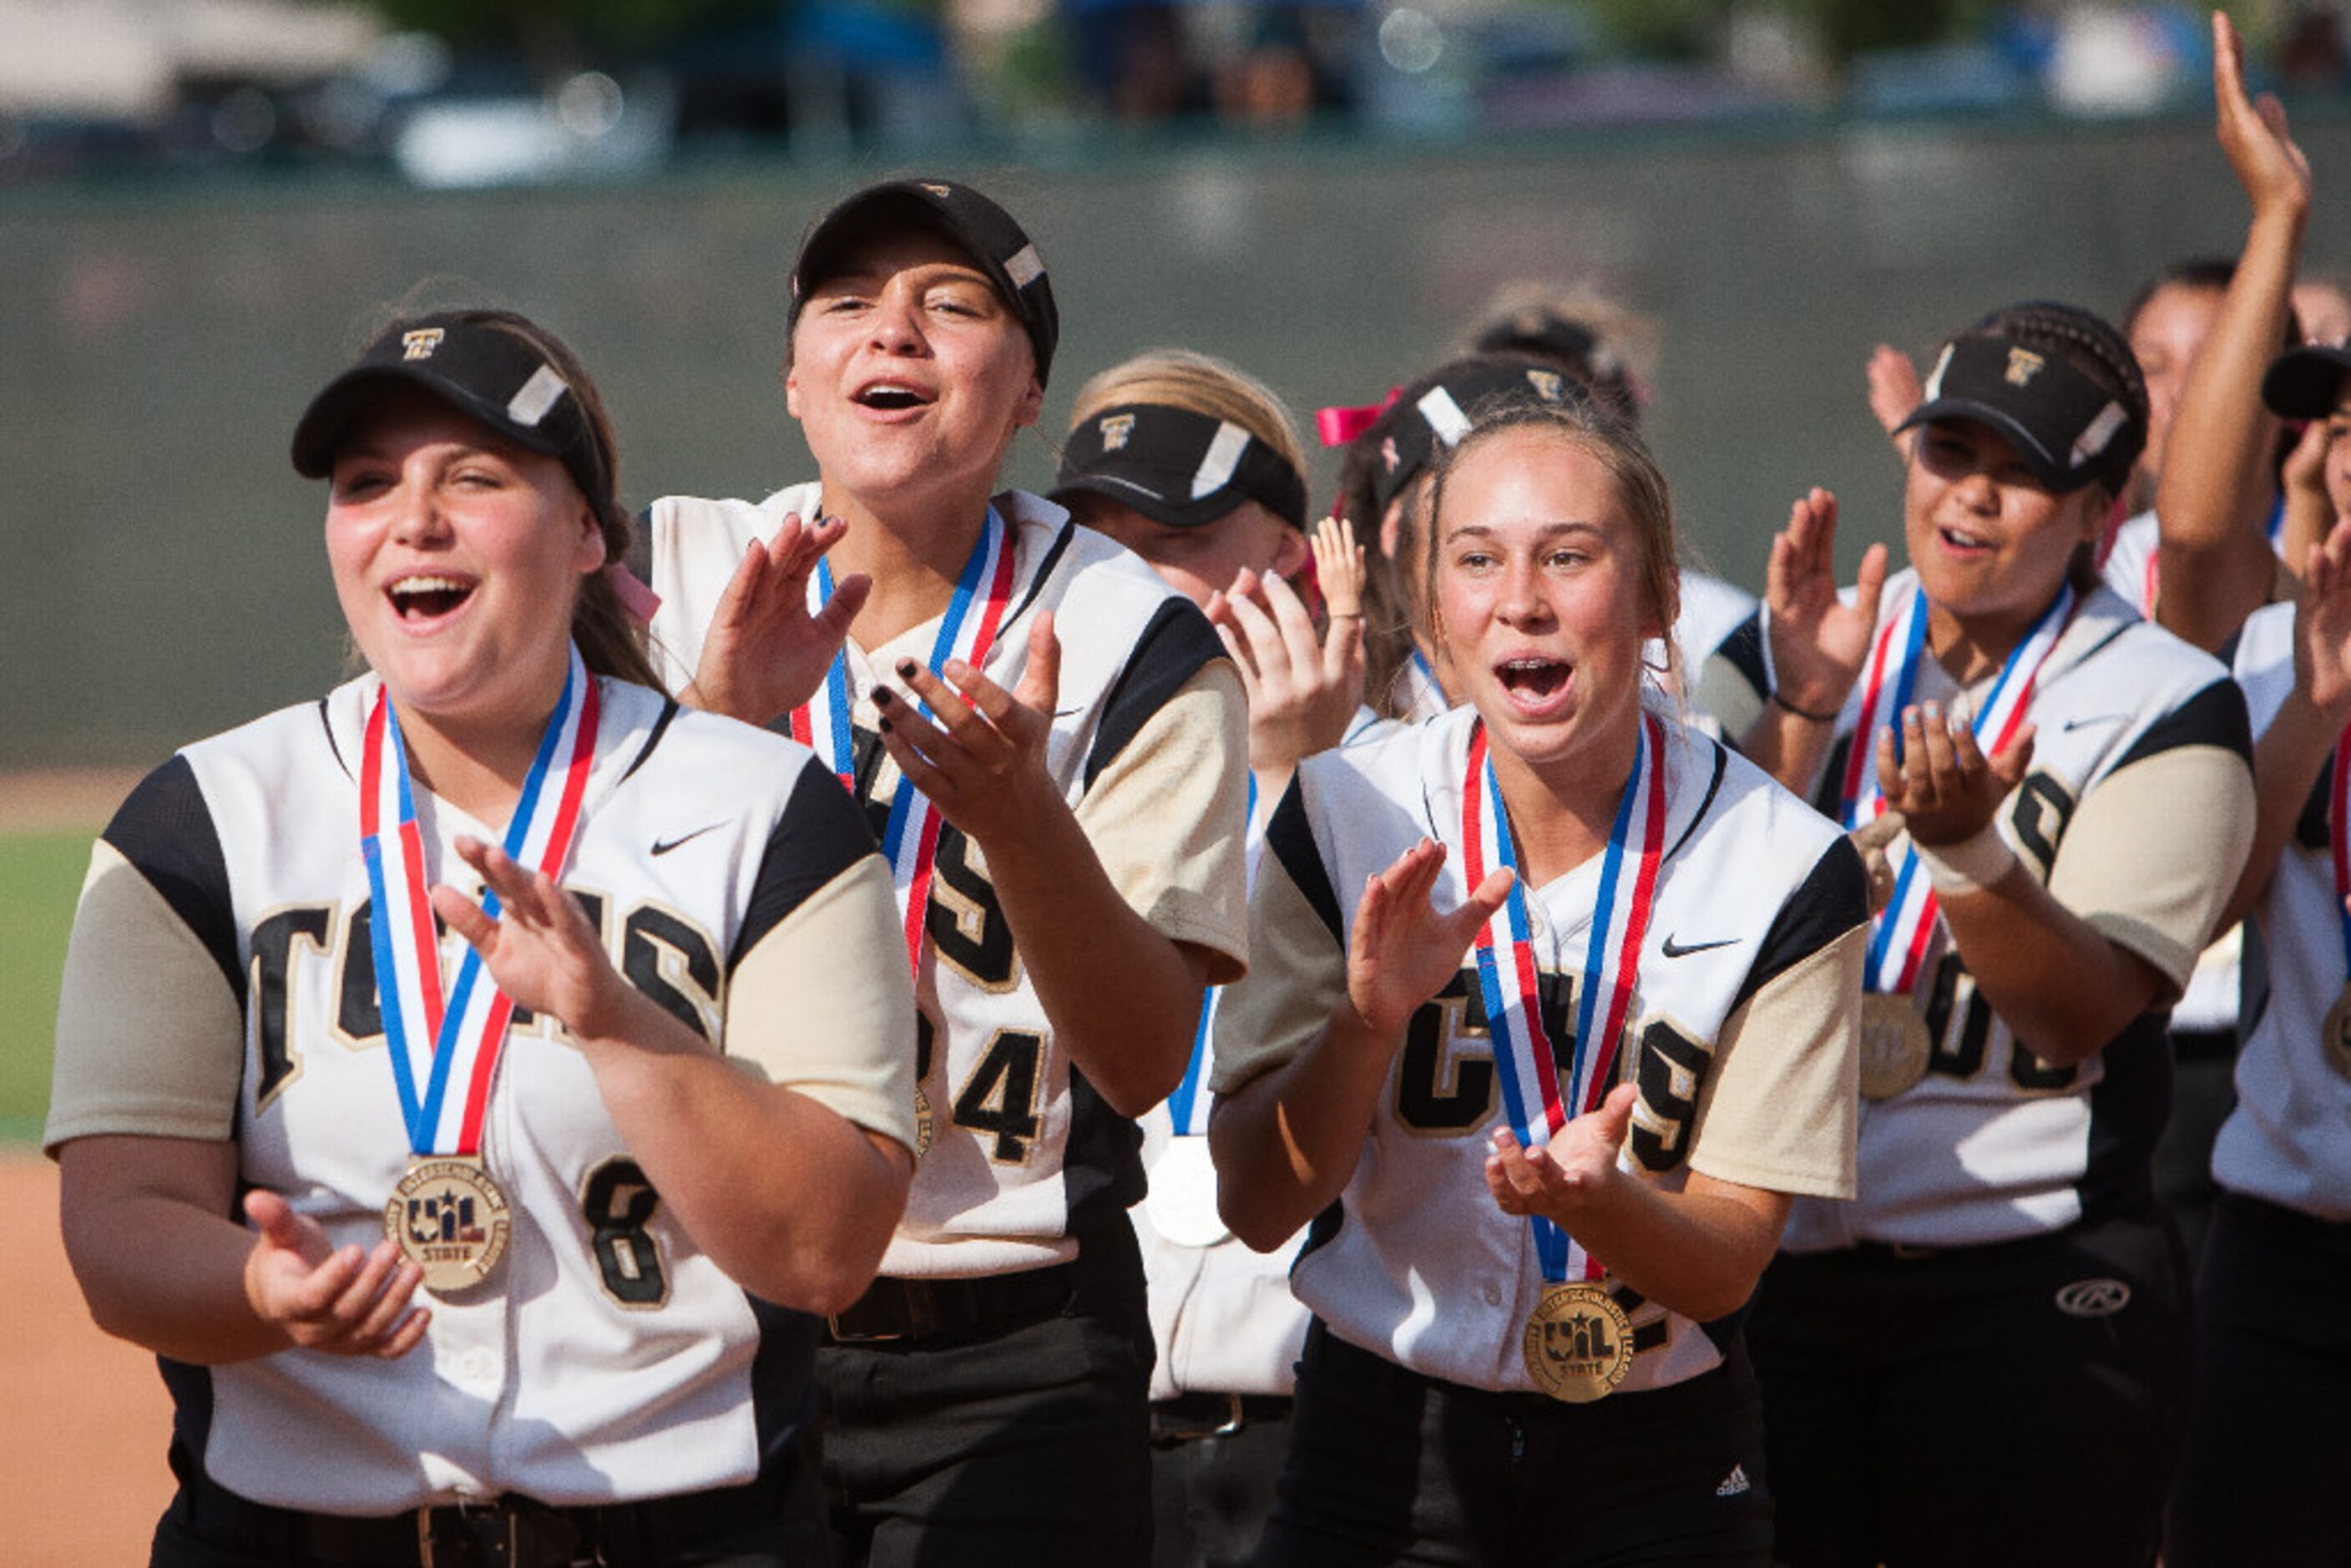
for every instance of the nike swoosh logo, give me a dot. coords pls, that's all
(663, 847)
(1675, 950)
(2072, 725)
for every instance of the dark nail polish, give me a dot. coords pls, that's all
(886, 726)
(906, 669)
(882, 697)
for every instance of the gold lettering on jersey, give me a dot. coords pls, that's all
(276, 974)
(1668, 1064)
(1578, 1344)
(1115, 428)
(2023, 364)
(420, 343)
(449, 1218)
(1445, 1080)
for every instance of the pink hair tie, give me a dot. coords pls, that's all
(638, 600)
(1338, 426)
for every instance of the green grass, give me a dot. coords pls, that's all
(40, 878)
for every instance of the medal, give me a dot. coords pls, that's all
(450, 1219)
(1578, 1342)
(446, 1213)
(1895, 1045)
(2337, 1036)
(910, 842)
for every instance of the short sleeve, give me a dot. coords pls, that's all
(819, 1000)
(151, 1014)
(2154, 849)
(1298, 955)
(1167, 814)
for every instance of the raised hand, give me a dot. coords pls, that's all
(1556, 1178)
(1946, 789)
(980, 757)
(1338, 568)
(2252, 132)
(541, 949)
(1402, 951)
(1894, 391)
(765, 654)
(1302, 691)
(2322, 642)
(1818, 640)
(338, 1301)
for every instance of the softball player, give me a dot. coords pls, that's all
(1526, 1346)
(1195, 467)
(1052, 745)
(2004, 1276)
(2269, 1355)
(496, 1298)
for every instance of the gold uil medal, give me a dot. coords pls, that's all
(2337, 1036)
(1895, 1045)
(449, 1217)
(1578, 1342)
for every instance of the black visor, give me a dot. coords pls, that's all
(1179, 467)
(482, 371)
(2068, 430)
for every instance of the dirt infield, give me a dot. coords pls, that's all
(62, 799)
(82, 1477)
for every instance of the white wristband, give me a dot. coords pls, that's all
(1969, 866)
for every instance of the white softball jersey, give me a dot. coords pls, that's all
(1149, 747)
(2289, 1138)
(2136, 813)
(1742, 1038)
(221, 985)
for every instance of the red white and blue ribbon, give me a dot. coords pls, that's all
(1901, 934)
(434, 1045)
(1537, 1102)
(910, 840)
(823, 727)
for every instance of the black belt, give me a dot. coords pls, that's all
(902, 1309)
(511, 1532)
(1190, 1415)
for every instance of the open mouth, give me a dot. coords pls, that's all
(890, 398)
(1532, 679)
(1961, 539)
(425, 598)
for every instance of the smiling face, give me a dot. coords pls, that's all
(1541, 598)
(457, 558)
(1991, 544)
(909, 374)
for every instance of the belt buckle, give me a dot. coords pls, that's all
(1910, 1251)
(1233, 1422)
(851, 1336)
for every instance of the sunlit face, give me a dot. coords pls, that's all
(1991, 543)
(2166, 336)
(457, 558)
(909, 373)
(1541, 603)
(1202, 561)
